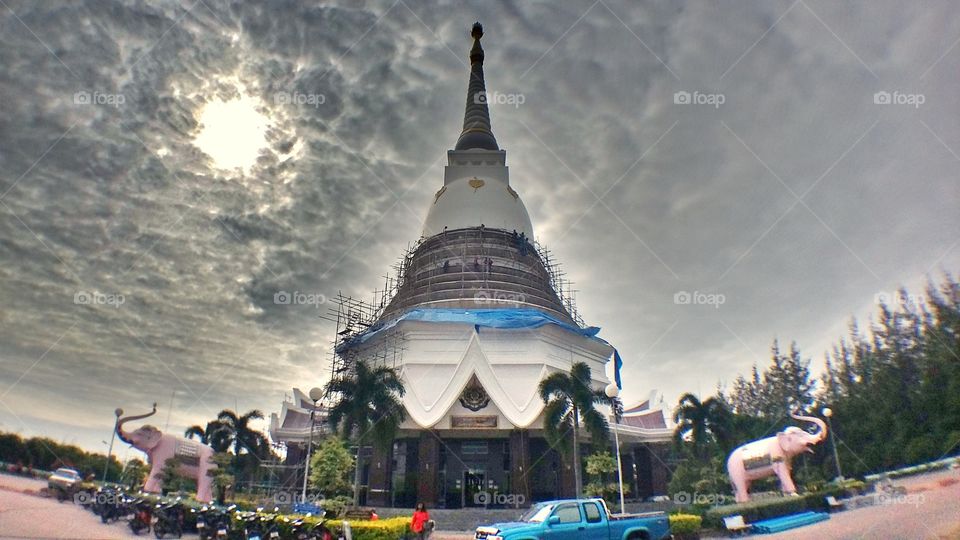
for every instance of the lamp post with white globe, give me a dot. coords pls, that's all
(118, 412)
(828, 412)
(612, 392)
(316, 394)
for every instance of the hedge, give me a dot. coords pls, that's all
(767, 508)
(760, 509)
(685, 525)
(381, 529)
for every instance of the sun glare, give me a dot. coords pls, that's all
(232, 132)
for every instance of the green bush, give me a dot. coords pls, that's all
(383, 529)
(765, 509)
(336, 506)
(685, 525)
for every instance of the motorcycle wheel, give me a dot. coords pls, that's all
(158, 530)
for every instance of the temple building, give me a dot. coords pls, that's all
(476, 317)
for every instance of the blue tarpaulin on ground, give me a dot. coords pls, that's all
(512, 318)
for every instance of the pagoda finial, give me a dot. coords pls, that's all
(477, 31)
(477, 132)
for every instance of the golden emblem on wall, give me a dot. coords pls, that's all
(474, 397)
(476, 183)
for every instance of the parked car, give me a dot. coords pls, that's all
(64, 478)
(578, 519)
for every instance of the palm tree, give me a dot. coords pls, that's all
(237, 431)
(216, 435)
(704, 422)
(367, 405)
(570, 399)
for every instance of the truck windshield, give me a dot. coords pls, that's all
(537, 514)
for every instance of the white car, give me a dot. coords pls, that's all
(63, 478)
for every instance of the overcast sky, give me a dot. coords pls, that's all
(167, 168)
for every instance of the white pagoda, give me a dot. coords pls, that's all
(474, 322)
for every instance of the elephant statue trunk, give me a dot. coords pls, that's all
(821, 433)
(125, 435)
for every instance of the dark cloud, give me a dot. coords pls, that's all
(180, 261)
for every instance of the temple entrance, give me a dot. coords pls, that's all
(473, 492)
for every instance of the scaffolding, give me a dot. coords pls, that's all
(562, 286)
(354, 317)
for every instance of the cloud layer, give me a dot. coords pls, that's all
(133, 267)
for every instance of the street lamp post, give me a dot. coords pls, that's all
(612, 392)
(316, 395)
(118, 412)
(828, 412)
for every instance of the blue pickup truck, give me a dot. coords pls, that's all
(578, 519)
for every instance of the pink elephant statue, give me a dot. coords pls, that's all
(194, 457)
(770, 456)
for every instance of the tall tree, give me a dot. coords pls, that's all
(570, 399)
(366, 408)
(746, 395)
(217, 435)
(705, 423)
(236, 429)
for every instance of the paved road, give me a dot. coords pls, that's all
(23, 514)
(929, 510)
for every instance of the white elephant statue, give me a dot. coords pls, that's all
(194, 457)
(770, 456)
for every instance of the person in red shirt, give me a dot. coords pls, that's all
(419, 522)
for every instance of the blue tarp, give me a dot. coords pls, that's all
(512, 318)
(785, 523)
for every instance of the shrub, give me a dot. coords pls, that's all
(336, 506)
(330, 468)
(765, 509)
(685, 526)
(383, 529)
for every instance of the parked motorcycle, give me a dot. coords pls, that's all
(207, 521)
(169, 519)
(142, 517)
(114, 505)
(301, 530)
(220, 523)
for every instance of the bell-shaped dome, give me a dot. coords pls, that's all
(475, 201)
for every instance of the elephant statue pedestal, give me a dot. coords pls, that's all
(193, 457)
(772, 456)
